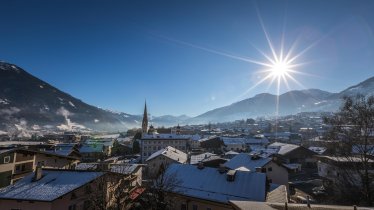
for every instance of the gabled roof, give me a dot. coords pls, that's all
(171, 153)
(195, 159)
(278, 194)
(124, 168)
(53, 184)
(231, 153)
(318, 150)
(4, 151)
(87, 166)
(90, 148)
(209, 184)
(283, 148)
(246, 161)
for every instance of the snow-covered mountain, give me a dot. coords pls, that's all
(291, 102)
(27, 102)
(30, 102)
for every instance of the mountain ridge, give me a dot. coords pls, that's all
(26, 101)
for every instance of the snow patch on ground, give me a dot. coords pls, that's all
(71, 104)
(35, 127)
(96, 120)
(320, 102)
(4, 101)
(10, 111)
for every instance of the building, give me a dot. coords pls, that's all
(55, 160)
(130, 171)
(275, 172)
(164, 157)
(92, 152)
(212, 144)
(292, 155)
(18, 163)
(199, 187)
(145, 120)
(335, 169)
(151, 143)
(195, 159)
(14, 165)
(50, 190)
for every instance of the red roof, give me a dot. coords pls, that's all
(135, 193)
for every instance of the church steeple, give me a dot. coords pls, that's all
(145, 119)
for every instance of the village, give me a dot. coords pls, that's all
(248, 164)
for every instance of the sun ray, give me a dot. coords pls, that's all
(266, 34)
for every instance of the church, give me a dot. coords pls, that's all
(152, 141)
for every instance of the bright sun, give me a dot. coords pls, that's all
(279, 69)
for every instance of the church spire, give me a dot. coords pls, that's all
(145, 119)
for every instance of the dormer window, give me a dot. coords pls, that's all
(6, 159)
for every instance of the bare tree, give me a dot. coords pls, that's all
(352, 128)
(112, 191)
(156, 196)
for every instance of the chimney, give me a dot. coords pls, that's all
(221, 169)
(200, 165)
(230, 176)
(38, 173)
(255, 157)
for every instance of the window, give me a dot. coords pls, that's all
(73, 196)
(270, 169)
(72, 207)
(194, 207)
(6, 159)
(86, 205)
(88, 189)
(183, 207)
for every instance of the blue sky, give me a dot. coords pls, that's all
(116, 54)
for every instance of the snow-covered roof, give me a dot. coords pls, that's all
(86, 166)
(277, 194)
(242, 168)
(171, 153)
(231, 153)
(91, 148)
(104, 142)
(256, 141)
(197, 158)
(361, 149)
(124, 168)
(283, 148)
(350, 159)
(53, 184)
(166, 136)
(318, 150)
(246, 160)
(209, 184)
(25, 143)
(3, 151)
(232, 140)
